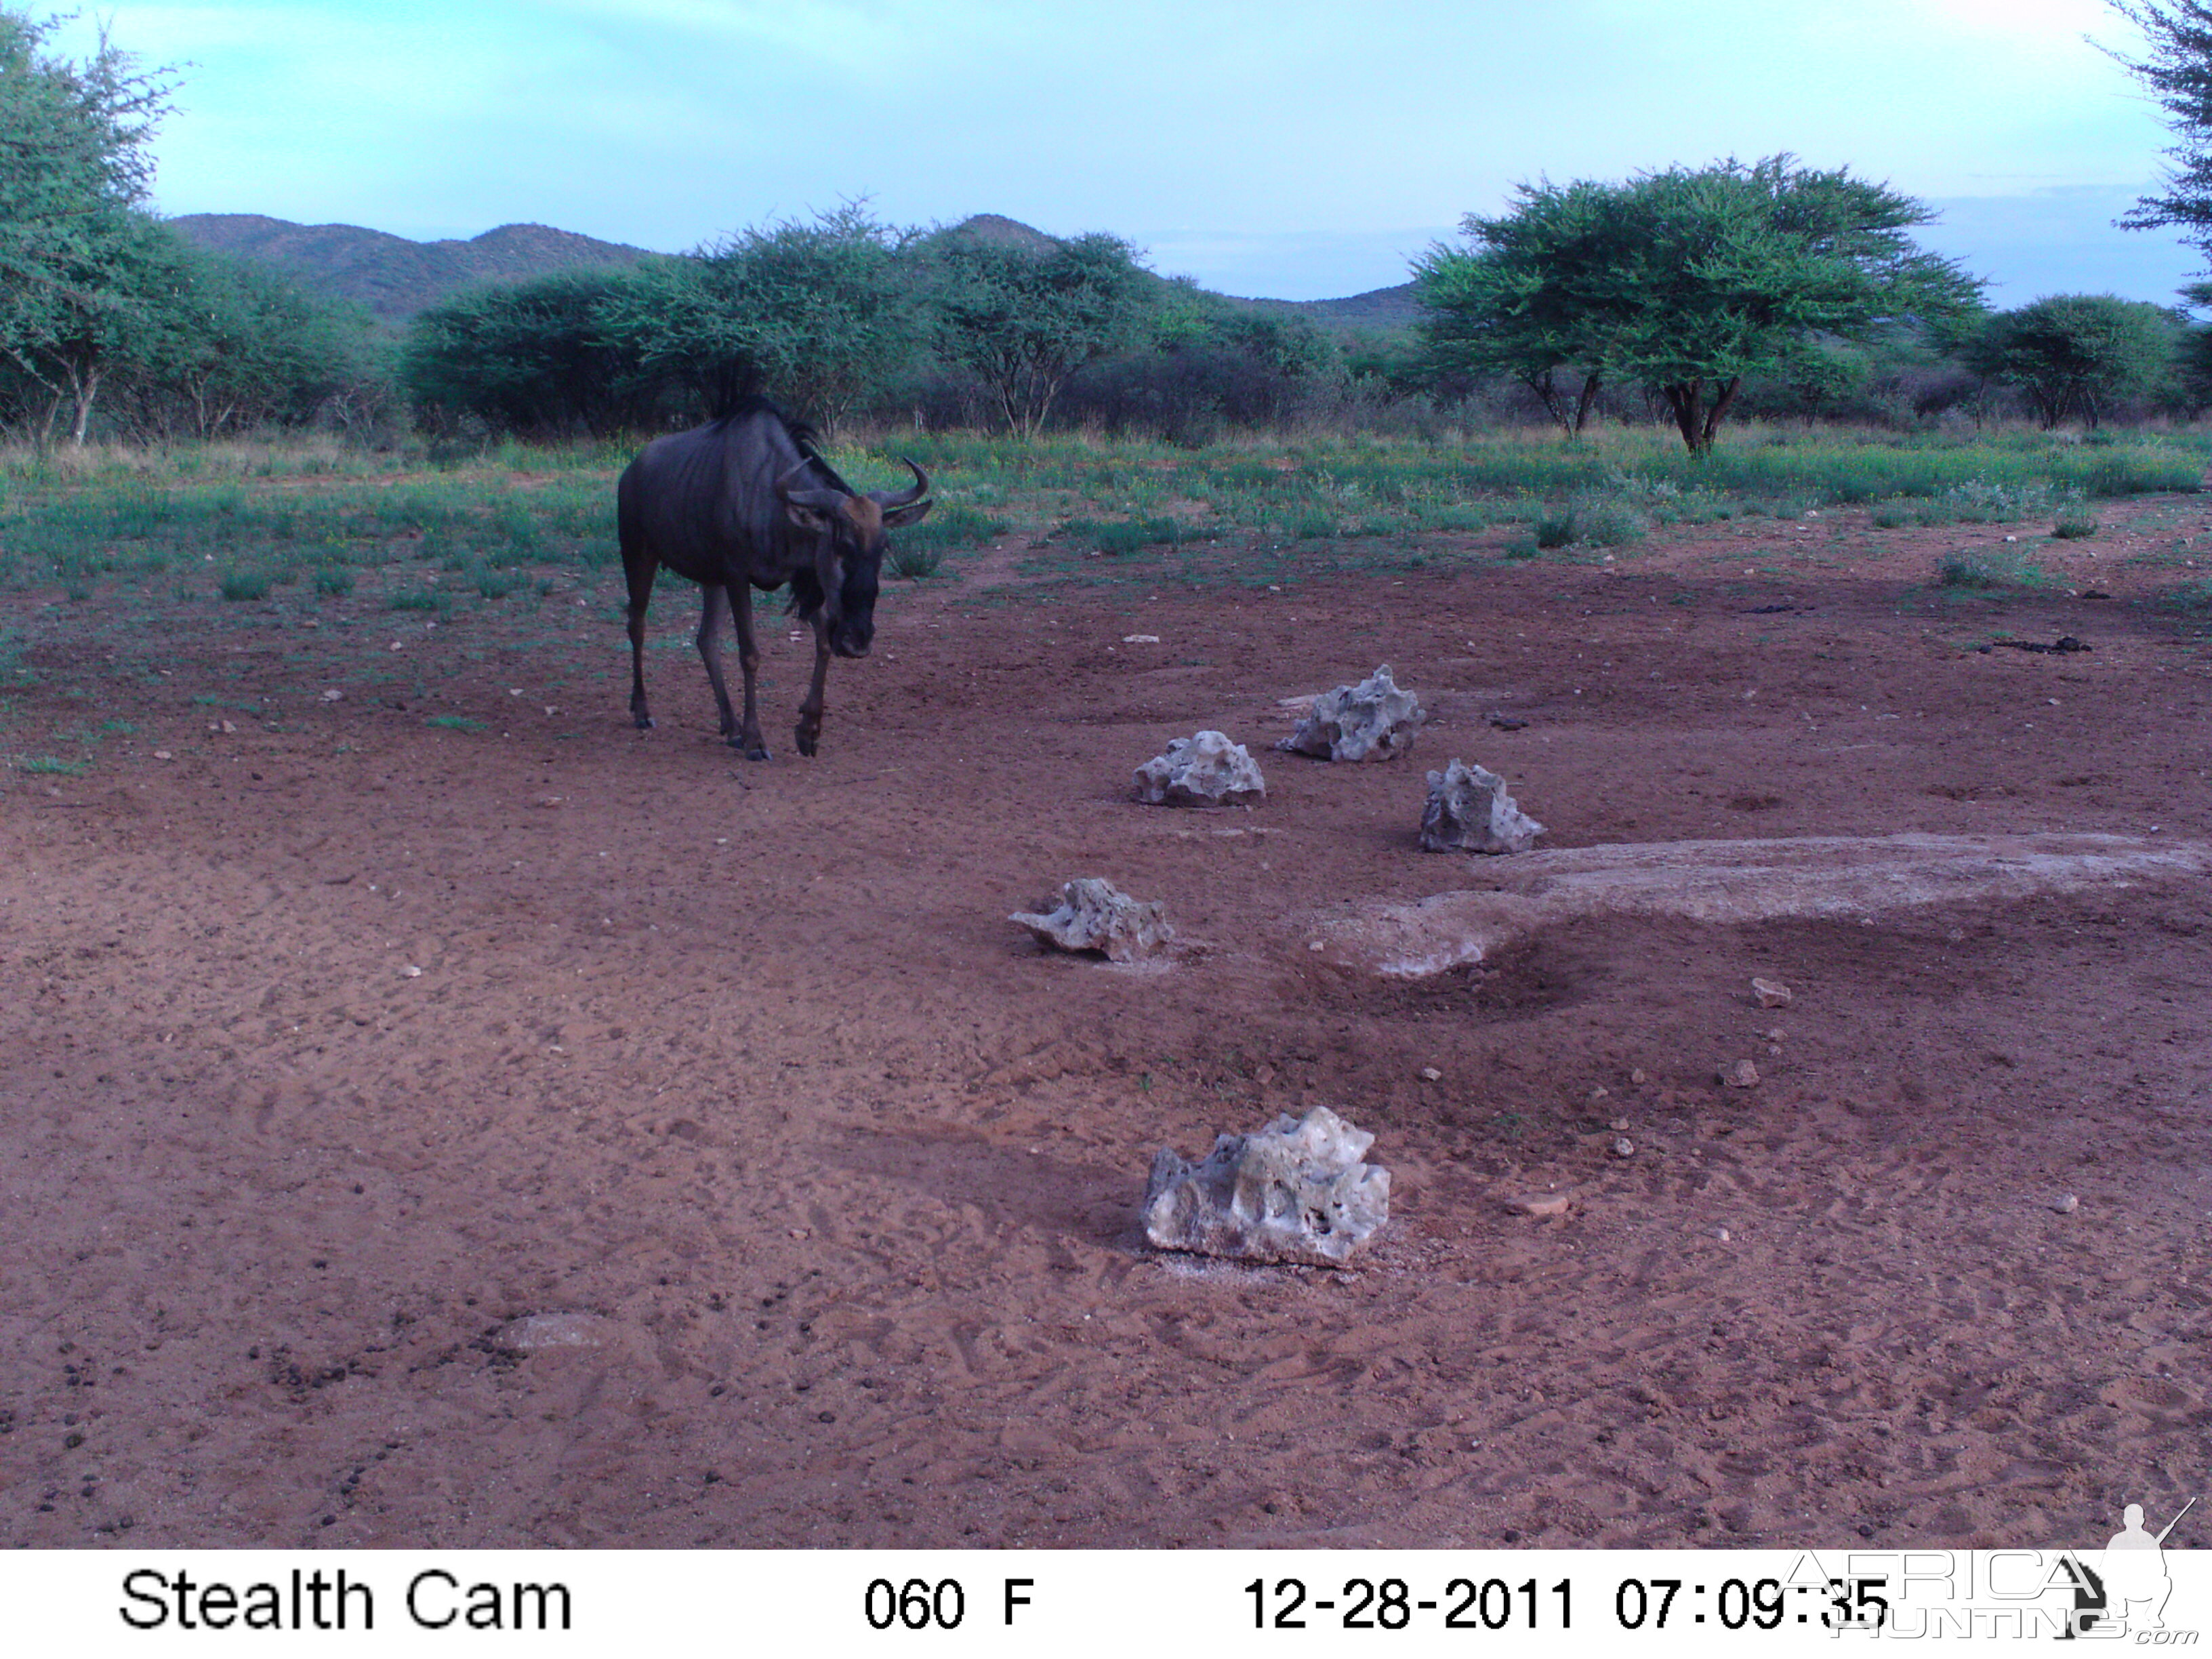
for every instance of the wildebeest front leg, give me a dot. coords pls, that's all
(749, 736)
(809, 712)
(715, 601)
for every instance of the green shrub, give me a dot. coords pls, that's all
(419, 598)
(333, 579)
(244, 584)
(457, 723)
(1553, 530)
(1892, 515)
(497, 583)
(2073, 526)
(52, 766)
(1605, 524)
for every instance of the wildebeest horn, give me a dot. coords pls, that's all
(920, 489)
(820, 499)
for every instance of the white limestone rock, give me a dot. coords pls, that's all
(1469, 812)
(1205, 771)
(1094, 914)
(1295, 1191)
(1371, 720)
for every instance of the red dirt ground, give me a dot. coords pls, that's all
(746, 1061)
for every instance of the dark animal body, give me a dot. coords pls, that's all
(746, 501)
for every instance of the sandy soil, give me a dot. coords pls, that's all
(745, 1063)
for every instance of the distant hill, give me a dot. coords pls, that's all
(393, 277)
(1379, 308)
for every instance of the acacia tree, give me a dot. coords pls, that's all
(1518, 301)
(75, 250)
(2078, 353)
(2178, 73)
(537, 357)
(1683, 281)
(818, 313)
(1023, 320)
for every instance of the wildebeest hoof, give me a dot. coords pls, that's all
(806, 744)
(758, 751)
(644, 722)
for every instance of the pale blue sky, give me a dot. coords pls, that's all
(1301, 150)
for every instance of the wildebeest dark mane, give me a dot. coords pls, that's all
(802, 434)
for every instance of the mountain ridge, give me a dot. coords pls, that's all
(394, 277)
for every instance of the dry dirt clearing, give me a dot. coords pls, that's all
(340, 1038)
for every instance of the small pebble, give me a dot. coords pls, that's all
(1549, 1204)
(1721, 1233)
(1430, 1074)
(1771, 992)
(1624, 1148)
(2067, 1204)
(1741, 1075)
(1618, 1124)
(1637, 1076)
(411, 971)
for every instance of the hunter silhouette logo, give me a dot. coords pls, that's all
(2127, 1590)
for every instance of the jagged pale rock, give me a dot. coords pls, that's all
(1770, 992)
(1371, 720)
(1094, 914)
(1469, 812)
(1205, 771)
(1295, 1191)
(1741, 1075)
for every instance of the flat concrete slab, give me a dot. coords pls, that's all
(1737, 881)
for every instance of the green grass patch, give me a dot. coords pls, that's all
(241, 585)
(1990, 572)
(458, 723)
(2074, 526)
(418, 599)
(52, 766)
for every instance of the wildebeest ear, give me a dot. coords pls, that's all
(804, 517)
(898, 515)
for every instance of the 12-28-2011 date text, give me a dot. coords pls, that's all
(1391, 1604)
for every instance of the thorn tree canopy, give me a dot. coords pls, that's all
(2078, 353)
(1683, 282)
(1022, 321)
(2178, 73)
(74, 168)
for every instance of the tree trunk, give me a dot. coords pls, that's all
(1711, 429)
(1547, 394)
(83, 388)
(1686, 401)
(1585, 402)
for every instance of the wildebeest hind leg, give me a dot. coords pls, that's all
(640, 574)
(749, 736)
(714, 602)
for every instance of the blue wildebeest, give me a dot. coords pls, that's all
(747, 502)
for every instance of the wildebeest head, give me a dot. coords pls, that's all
(848, 531)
